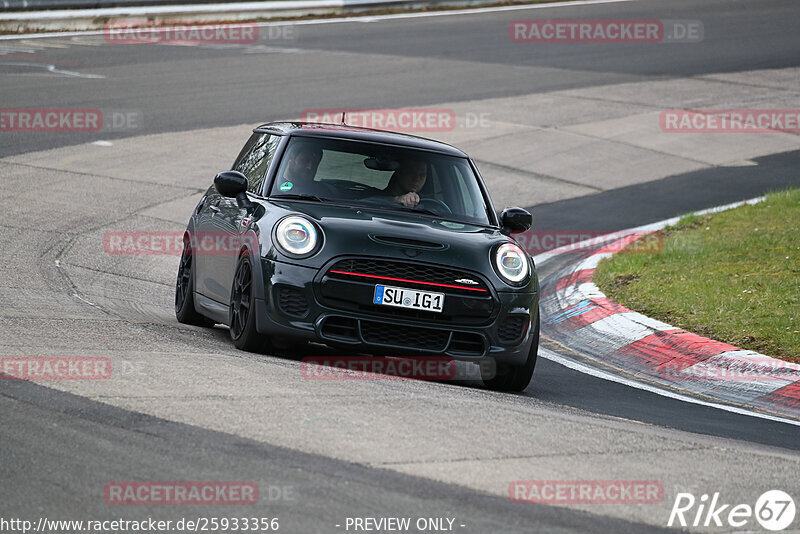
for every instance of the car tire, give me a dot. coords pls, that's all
(185, 310)
(241, 315)
(515, 378)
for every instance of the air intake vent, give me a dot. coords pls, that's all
(405, 242)
(466, 343)
(341, 328)
(404, 336)
(292, 301)
(512, 328)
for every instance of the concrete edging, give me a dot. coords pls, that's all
(96, 18)
(587, 321)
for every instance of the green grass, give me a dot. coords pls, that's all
(732, 276)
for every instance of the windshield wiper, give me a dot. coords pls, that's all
(313, 198)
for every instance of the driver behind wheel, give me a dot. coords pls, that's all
(302, 164)
(407, 181)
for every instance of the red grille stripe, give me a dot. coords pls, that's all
(409, 281)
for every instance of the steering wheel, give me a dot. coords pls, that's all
(436, 203)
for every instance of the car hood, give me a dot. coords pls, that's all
(393, 234)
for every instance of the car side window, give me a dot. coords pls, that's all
(254, 163)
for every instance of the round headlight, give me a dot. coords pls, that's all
(296, 235)
(512, 263)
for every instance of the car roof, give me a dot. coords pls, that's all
(344, 131)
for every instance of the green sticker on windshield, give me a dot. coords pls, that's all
(454, 226)
(285, 186)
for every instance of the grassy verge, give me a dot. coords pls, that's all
(732, 276)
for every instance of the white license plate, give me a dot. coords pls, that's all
(402, 297)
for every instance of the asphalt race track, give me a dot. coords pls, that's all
(566, 131)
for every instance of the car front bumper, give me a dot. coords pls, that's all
(292, 308)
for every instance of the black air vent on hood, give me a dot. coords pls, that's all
(405, 242)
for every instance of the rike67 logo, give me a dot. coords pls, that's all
(774, 510)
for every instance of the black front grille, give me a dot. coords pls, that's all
(511, 328)
(350, 285)
(408, 271)
(292, 301)
(404, 336)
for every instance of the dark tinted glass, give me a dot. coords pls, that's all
(382, 176)
(255, 161)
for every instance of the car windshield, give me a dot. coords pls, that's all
(373, 175)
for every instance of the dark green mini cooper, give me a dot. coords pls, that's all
(380, 242)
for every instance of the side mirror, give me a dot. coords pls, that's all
(233, 184)
(516, 220)
(230, 183)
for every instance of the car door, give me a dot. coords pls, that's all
(226, 219)
(206, 282)
(203, 277)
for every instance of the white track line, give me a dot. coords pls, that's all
(575, 366)
(145, 11)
